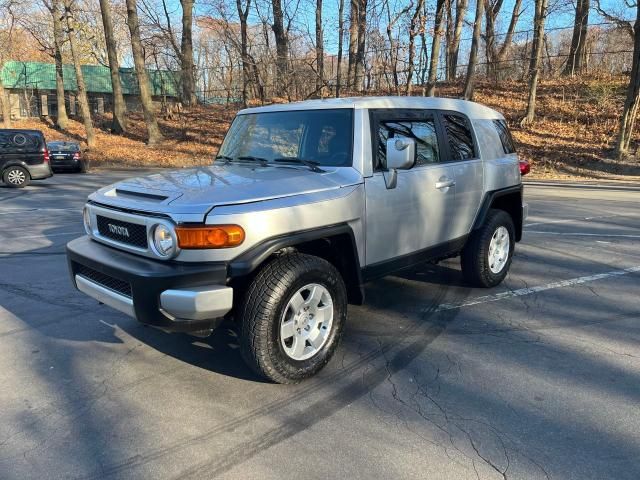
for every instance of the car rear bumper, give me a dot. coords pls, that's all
(39, 172)
(65, 162)
(168, 295)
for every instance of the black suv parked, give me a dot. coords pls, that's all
(23, 157)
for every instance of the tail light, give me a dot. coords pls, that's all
(525, 167)
(76, 156)
(46, 155)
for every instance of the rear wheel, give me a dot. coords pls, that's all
(486, 257)
(16, 177)
(292, 317)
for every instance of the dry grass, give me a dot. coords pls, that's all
(572, 137)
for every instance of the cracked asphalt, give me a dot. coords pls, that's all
(537, 378)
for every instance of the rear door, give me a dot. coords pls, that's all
(463, 156)
(416, 214)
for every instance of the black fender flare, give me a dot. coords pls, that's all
(490, 199)
(246, 263)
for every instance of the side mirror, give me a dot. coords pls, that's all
(401, 153)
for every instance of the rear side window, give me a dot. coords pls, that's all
(459, 137)
(19, 141)
(505, 136)
(423, 132)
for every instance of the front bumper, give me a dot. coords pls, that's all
(169, 295)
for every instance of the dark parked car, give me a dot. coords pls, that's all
(23, 157)
(66, 156)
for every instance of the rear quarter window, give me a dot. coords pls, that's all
(505, 136)
(459, 137)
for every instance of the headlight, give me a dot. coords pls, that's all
(163, 241)
(86, 219)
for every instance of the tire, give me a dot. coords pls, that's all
(83, 167)
(16, 177)
(272, 299)
(479, 267)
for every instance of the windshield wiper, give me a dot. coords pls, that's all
(224, 157)
(250, 158)
(300, 161)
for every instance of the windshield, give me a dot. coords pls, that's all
(323, 137)
(63, 147)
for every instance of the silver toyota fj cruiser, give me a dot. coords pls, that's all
(305, 203)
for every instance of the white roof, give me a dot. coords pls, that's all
(471, 109)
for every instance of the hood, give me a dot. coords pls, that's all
(198, 190)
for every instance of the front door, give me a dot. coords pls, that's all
(419, 212)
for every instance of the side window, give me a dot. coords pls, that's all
(423, 132)
(459, 137)
(505, 136)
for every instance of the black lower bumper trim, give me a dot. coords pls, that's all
(148, 279)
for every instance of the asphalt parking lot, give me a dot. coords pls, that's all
(537, 378)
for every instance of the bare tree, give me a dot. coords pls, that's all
(473, 54)
(416, 26)
(578, 51)
(495, 56)
(340, 40)
(62, 120)
(282, 47)
(353, 41)
(393, 42)
(360, 54)
(632, 100)
(319, 50)
(243, 14)
(186, 54)
(119, 123)
(6, 37)
(153, 131)
(85, 111)
(534, 71)
(453, 40)
(435, 49)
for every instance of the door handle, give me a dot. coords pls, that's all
(445, 184)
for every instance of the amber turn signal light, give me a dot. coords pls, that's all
(214, 236)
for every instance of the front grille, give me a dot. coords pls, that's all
(123, 232)
(104, 280)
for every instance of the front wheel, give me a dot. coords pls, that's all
(292, 317)
(16, 177)
(486, 257)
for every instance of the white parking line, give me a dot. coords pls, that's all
(584, 234)
(581, 219)
(528, 291)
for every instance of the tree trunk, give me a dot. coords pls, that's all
(360, 56)
(473, 54)
(186, 54)
(340, 39)
(353, 42)
(5, 104)
(153, 131)
(85, 111)
(534, 71)
(453, 50)
(62, 120)
(414, 29)
(577, 52)
(319, 50)
(282, 47)
(508, 39)
(243, 13)
(435, 50)
(632, 100)
(119, 124)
